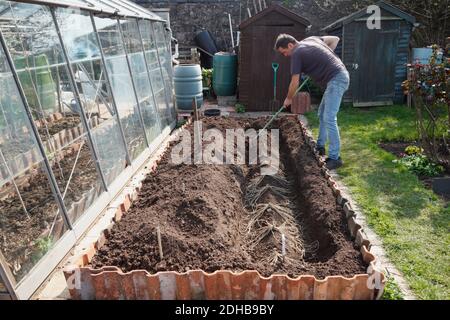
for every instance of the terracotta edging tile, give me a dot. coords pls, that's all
(111, 283)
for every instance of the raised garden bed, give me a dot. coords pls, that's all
(223, 228)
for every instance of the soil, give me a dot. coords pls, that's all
(54, 127)
(210, 219)
(18, 232)
(14, 147)
(84, 176)
(397, 148)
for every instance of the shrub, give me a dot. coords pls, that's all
(429, 85)
(418, 163)
(207, 77)
(240, 108)
(413, 150)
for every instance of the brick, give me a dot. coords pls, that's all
(361, 239)
(341, 199)
(349, 212)
(353, 226)
(336, 190)
(126, 204)
(57, 116)
(331, 182)
(118, 215)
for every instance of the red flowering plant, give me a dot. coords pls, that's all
(429, 86)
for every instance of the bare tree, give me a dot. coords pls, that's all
(433, 17)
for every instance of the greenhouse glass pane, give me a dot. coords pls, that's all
(39, 61)
(154, 68)
(165, 58)
(18, 143)
(133, 45)
(85, 59)
(121, 84)
(30, 222)
(33, 43)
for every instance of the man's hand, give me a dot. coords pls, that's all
(287, 102)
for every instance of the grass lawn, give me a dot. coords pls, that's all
(411, 220)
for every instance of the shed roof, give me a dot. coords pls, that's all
(382, 4)
(277, 8)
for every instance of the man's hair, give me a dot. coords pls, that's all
(283, 40)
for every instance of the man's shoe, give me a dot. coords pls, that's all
(333, 164)
(321, 151)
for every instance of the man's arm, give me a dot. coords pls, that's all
(292, 88)
(331, 41)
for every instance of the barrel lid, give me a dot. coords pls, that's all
(187, 65)
(221, 53)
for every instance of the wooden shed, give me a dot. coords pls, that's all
(256, 54)
(375, 58)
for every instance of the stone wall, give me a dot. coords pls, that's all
(187, 17)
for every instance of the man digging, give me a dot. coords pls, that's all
(315, 57)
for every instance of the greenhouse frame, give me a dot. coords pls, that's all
(86, 97)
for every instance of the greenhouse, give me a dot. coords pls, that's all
(85, 98)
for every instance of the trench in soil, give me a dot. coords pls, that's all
(229, 217)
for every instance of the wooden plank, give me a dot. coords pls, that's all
(373, 103)
(194, 107)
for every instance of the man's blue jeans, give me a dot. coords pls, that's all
(328, 110)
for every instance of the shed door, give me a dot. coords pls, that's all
(262, 44)
(261, 76)
(373, 82)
